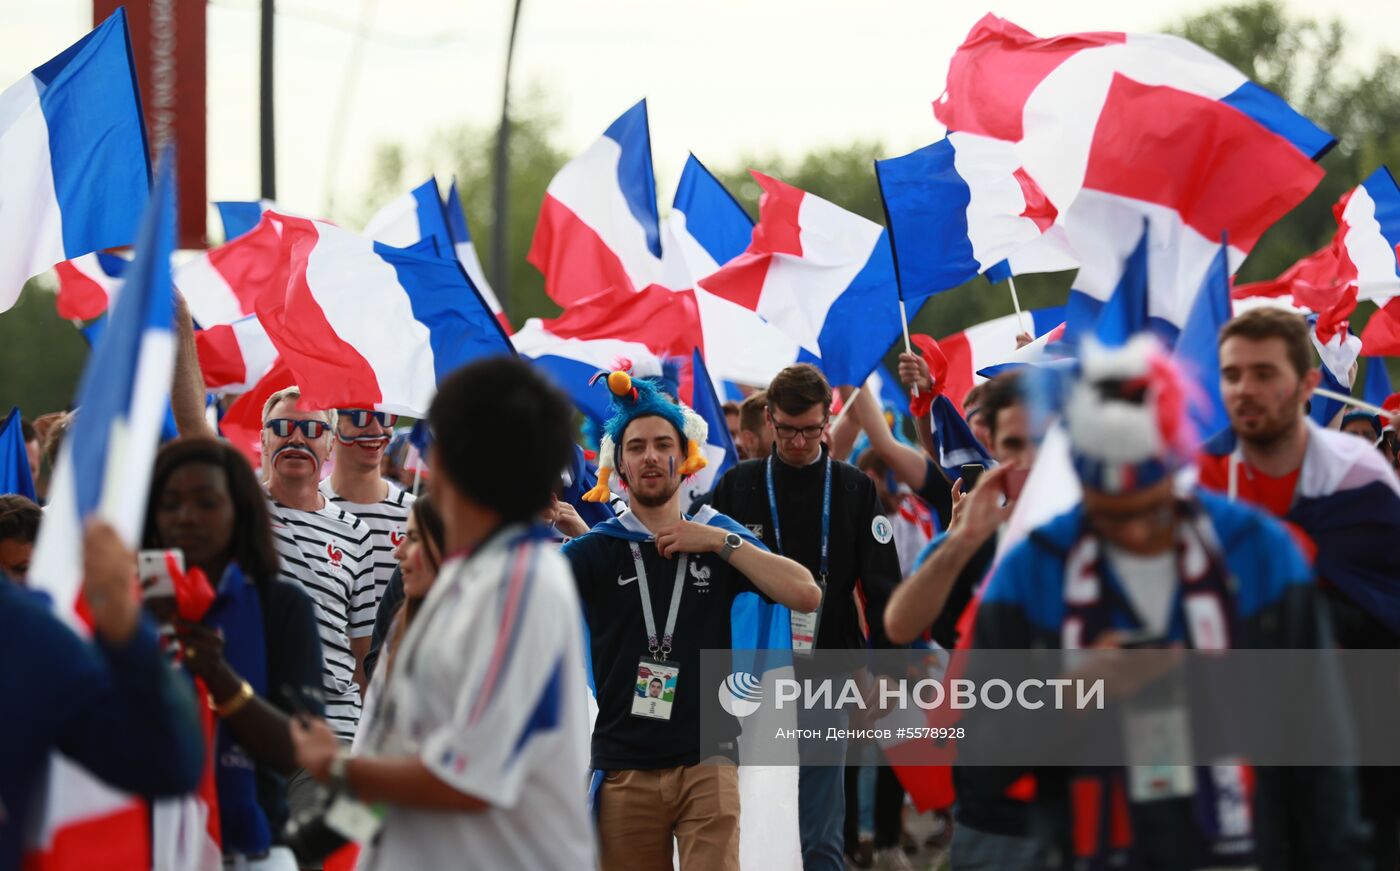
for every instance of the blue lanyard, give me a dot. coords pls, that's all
(826, 513)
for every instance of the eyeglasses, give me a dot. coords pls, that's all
(360, 417)
(312, 428)
(786, 432)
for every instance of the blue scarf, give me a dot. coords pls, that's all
(237, 612)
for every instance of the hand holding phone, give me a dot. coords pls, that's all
(970, 473)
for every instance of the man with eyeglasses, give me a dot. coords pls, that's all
(825, 515)
(323, 549)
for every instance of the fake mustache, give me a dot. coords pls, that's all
(295, 449)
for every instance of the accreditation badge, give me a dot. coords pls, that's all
(655, 691)
(805, 625)
(1157, 738)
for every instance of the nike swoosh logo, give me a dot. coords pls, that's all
(622, 582)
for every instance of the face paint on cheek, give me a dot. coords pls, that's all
(672, 464)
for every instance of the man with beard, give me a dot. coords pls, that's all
(658, 587)
(1336, 492)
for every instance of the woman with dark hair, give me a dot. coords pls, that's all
(256, 648)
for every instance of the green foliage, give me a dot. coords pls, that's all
(41, 355)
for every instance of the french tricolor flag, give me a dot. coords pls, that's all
(988, 344)
(706, 229)
(820, 274)
(365, 325)
(1369, 231)
(74, 172)
(222, 284)
(465, 250)
(87, 284)
(601, 332)
(962, 206)
(598, 226)
(103, 470)
(1113, 127)
(235, 357)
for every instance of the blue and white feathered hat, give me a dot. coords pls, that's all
(639, 397)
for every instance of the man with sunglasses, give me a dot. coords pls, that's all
(825, 515)
(356, 485)
(323, 549)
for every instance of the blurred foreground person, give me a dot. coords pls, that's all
(113, 705)
(476, 754)
(1124, 559)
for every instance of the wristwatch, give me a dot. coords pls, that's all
(732, 542)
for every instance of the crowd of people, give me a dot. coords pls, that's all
(475, 676)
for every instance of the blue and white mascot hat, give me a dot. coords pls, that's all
(639, 397)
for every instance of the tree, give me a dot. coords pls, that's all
(41, 355)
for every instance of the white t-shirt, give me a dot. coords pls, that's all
(326, 553)
(488, 690)
(387, 520)
(1149, 582)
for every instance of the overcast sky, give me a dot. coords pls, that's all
(724, 77)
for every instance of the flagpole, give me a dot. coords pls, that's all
(846, 406)
(1352, 400)
(1016, 304)
(898, 285)
(417, 477)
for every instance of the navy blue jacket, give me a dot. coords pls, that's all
(120, 712)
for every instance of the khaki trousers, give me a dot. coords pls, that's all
(640, 811)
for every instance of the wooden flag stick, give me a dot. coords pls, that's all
(1352, 400)
(846, 406)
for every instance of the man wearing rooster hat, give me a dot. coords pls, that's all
(658, 587)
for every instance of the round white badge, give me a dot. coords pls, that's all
(881, 528)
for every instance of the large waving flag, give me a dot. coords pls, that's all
(14, 458)
(598, 226)
(87, 284)
(465, 250)
(822, 275)
(1114, 127)
(720, 455)
(611, 328)
(223, 284)
(74, 172)
(959, 207)
(706, 229)
(1381, 337)
(103, 470)
(366, 325)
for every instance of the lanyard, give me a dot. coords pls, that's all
(826, 514)
(661, 649)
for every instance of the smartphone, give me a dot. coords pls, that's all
(153, 568)
(970, 473)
